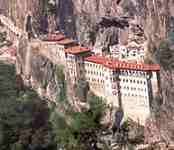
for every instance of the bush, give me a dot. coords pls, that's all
(60, 77)
(171, 36)
(70, 129)
(97, 107)
(81, 89)
(3, 36)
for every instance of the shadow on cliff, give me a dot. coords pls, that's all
(66, 19)
(7, 81)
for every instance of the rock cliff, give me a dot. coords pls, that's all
(97, 23)
(17, 10)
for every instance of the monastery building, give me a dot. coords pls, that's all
(129, 85)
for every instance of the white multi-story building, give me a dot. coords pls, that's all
(67, 52)
(131, 51)
(126, 84)
(75, 63)
(55, 45)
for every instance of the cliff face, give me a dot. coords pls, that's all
(83, 19)
(79, 18)
(18, 10)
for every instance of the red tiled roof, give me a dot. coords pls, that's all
(116, 64)
(11, 50)
(96, 59)
(55, 37)
(66, 41)
(76, 50)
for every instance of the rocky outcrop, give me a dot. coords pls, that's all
(159, 127)
(96, 23)
(18, 11)
(82, 17)
(37, 71)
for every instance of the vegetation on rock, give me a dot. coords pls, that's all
(29, 123)
(71, 129)
(60, 77)
(24, 118)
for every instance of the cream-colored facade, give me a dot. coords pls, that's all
(132, 88)
(54, 51)
(94, 74)
(121, 83)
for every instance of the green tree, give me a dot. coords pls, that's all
(24, 119)
(60, 77)
(81, 89)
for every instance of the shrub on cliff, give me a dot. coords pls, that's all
(24, 119)
(3, 36)
(60, 77)
(72, 128)
(97, 107)
(81, 89)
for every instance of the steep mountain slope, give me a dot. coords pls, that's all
(83, 20)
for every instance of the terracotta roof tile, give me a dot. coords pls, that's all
(66, 41)
(55, 37)
(76, 50)
(114, 64)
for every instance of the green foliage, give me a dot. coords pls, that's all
(60, 77)
(171, 36)
(97, 107)
(3, 36)
(164, 45)
(26, 121)
(82, 121)
(106, 50)
(164, 54)
(69, 129)
(7, 81)
(24, 118)
(49, 8)
(44, 83)
(81, 89)
(63, 132)
(92, 36)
